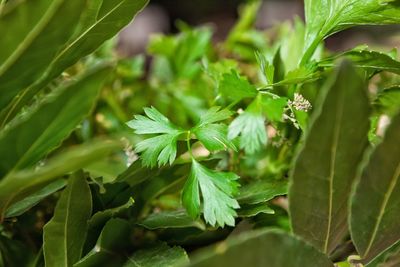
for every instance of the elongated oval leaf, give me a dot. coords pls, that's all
(375, 209)
(171, 219)
(64, 235)
(33, 32)
(21, 206)
(21, 184)
(262, 191)
(327, 164)
(112, 16)
(107, 251)
(270, 248)
(30, 138)
(102, 20)
(160, 255)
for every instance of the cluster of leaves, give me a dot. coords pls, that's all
(214, 149)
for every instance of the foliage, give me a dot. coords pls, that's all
(267, 141)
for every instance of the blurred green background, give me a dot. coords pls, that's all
(162, 15)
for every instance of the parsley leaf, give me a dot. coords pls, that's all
(250, 126)
(274, 107)
(235, 87)
(214, 114)
(214, 136)
(217, 190)
(161, 148)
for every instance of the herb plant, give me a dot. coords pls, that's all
(282, 150)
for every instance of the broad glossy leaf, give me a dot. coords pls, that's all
(112, 16)
(102, 20)
(42, 128)
(270, 248)
(111, 242)
(326, 166)
(161, 256)
(262, 191)
(64, 235)
(171, 219)
(366, 59)
(21, 184)
(375, 206)
(32, 34)
(325, 17)
(22, 206)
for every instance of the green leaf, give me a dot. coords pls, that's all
(21, 184)
(160, 255)
(326, 166)
(213, 136)
(217, 191)
(41, 129)
(100, 21)
(235, 87)
(107, 251)
(386, 258)
(262, 191)
(112, 16)
(25, 204)
(161, 148)
(136, 174)
(154, 123)
(171, 219)
(366, 59)
(323, 18)
(34, 31)
(375, 209)
(101, 217)
(266, 67)
(214, 114)
(388, 101)
(292, 44)
(253, 210)
(272, 248)
(274, 107)
(250, 126)
(64, 235)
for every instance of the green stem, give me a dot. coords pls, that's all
(310, 50)
(189, 147)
